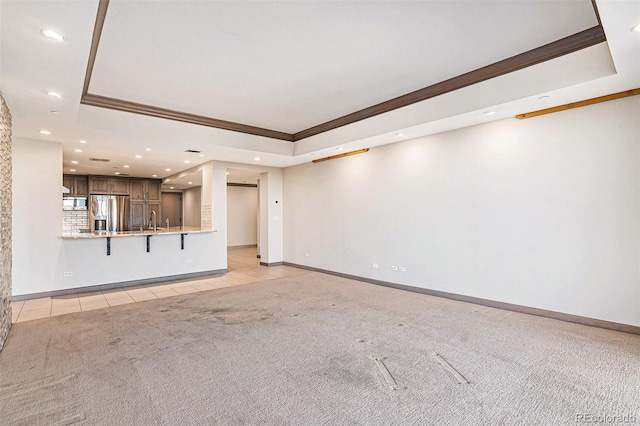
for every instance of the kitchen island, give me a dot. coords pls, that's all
(176, 230)
(108, 235)
(87, 262)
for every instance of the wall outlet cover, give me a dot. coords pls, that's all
(394, 268)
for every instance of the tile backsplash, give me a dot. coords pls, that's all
(74, 220)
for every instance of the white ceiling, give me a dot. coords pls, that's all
(288, 66)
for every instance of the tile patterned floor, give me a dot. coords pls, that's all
(244, 268)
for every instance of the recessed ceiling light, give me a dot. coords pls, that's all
(117, 173)
(201, 155)
(77, 150)
(257, 158)
(72, 170)
(340, 148)
(399, 134)
(154, 175)
(489, 112)
(168, 170)
(54, 95)
(83, 141)
(126, 166)
(187, 161)
(45, 132)
(636, 28)
(138, 156)
(147, 149)
(55, 112)
(171, 187)
(53, 34)
(190, 183)
(74, 162)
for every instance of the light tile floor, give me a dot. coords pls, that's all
(244, 268)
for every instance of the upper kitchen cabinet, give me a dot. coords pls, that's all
(136, 189)
(77, 185)
(145, 190)
(98, 185)
(120, 186)
(153, 190)
(105, 185)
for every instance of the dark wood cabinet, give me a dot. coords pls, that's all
(120, 186)
(99, 185)
(145, 190)
(138, 219)
(145, 195)
(77, 185)
(106, 185)
(81, 185)
(141, 216)
(136, 190)
(154, 190)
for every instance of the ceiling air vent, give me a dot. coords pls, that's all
(101, 160)
(192, 150)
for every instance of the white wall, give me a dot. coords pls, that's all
(271, 198)
(192, 204)
(242, 211)
(541, 212)
(37, 214)
(41, 256)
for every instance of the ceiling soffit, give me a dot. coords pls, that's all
(566, 45)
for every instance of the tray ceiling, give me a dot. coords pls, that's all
(289, 66)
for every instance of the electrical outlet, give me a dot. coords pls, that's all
(394, 268)
(189, 260)
(68, 274)
(402, 269)
(374, 265)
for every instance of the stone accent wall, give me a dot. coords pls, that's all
(74, 220)
(5, 221)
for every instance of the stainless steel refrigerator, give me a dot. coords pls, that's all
(109, 213)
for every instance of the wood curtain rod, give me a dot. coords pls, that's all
(344, 154)
(579, 104)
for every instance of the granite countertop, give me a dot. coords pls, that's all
(161, 231)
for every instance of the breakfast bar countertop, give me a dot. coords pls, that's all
(175, 230)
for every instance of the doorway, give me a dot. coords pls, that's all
(171, 208)
(243, 211)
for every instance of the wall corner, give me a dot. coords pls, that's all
(6, 176)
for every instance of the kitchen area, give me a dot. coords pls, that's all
(101, 257)
(102, 205)
(57, 250)
(105, 207)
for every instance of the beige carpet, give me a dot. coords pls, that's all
(313, 349)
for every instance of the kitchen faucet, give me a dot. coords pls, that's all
(155, 222)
